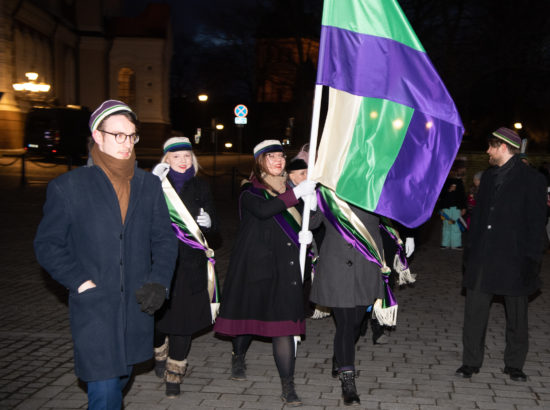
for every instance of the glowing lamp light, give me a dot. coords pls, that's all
(374, 115)
(31, 76)
(31, 85)
(518, 125)
(397, 124)
(202, 97)
(228, 145)
(219, 126)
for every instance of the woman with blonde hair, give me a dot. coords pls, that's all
(188, 310)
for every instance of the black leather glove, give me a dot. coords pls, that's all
(151, 296)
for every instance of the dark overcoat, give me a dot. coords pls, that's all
(343, 277)
(506, 238)
(188, 309)
(81, 237)
(262, 292)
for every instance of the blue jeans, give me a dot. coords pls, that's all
(107, 394)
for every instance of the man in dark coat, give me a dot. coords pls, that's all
(106, 236)
(504, 253)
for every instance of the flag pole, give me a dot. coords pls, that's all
(310, 164)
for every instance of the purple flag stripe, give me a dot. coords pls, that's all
(378, 67)
(419, 171)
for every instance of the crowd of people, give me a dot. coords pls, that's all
(132, 249)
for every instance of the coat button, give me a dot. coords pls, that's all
(293, 283)
(349, 263)
(489, 226)
(291, 263)
(350, 245)
(288, 244)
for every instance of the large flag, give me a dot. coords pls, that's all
(392, 130)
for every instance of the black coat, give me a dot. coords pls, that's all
(262, 292)
(453, 198)
(82, 237)
(188, 309)
(507, 232)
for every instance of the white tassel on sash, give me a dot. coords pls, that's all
(404, 274)
(387, 316)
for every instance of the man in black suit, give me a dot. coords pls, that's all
(504, 253)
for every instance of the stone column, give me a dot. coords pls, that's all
(11, 116)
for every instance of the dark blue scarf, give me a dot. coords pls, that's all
(178, 179)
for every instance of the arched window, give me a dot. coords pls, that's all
(127, 86)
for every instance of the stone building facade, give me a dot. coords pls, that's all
(88, 53)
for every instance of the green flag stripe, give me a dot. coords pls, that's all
(380, 18)
(377, 138)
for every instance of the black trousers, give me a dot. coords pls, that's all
(476, 317)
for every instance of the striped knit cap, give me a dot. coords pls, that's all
(104, 110)
(508, 136)
(267, 146)
(177, 144)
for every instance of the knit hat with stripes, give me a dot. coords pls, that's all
(107, 108)
(508, 136)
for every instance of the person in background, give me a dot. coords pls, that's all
(471, 200)
(452, 206)
(503, 253)
(262, 293)
(188, 310)
(106, 236)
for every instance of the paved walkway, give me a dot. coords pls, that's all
(415, 370)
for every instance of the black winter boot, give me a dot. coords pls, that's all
(238, 367)
(175, 370)
(349, 392)
(289, 396)
(161, 354)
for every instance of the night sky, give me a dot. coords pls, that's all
(493, 55)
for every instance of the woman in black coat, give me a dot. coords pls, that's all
(262, 293)
(188, 309)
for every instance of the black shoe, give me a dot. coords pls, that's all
(172, 390)
(335, 367)
(238, 367)
(466, 371)
(349, 391)
(516, 375)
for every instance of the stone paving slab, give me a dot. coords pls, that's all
(415, 370)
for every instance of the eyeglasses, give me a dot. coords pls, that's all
(275, 156)
(121, 138)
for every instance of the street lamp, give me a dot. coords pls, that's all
(518, 125)
(203, 97)
(219, 126)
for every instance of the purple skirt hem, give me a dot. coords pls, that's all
(232, 327)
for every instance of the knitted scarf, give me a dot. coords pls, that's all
(120, 172)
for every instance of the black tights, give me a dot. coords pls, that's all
(348, 327)
(283, 352)
(178, 345)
